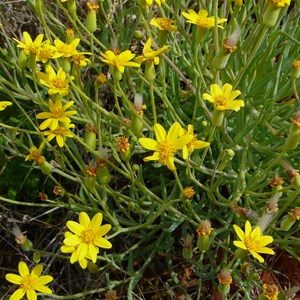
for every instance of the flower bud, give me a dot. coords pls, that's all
(36, 257)
(22, 60)
(218, 117)
(187, 244)
(103, 174)
(150, 73)
(90, 181)
(204, 231)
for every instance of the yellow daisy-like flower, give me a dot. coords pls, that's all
(166, 144)
(56, 83)
(193, 144)
(86, 239)
(223, 97)
(36, 155)
(57, 114)
(158, 2)
(164, 24)
(46, 52)
(65, 49)
(119, 61)
(253, 241)
(151, 55)
(270, 291)
(201, 19)
(279, 3)
(29, 282)
(4, 104)
(28, 44)
(60, 133)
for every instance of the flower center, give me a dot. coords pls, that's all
(221, 101)
(204, 22)
(88, 236)
(252, 244)
(58, 83)
(28, 283)
(165, 150)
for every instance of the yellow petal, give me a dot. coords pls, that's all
(96, 221)
(23, 269)
(84, 219)
(17, 295)
(148, 143)
(13, 278)
(160, 133)
(75, 227)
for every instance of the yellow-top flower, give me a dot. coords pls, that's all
(36, 154)
(56, 82)
(201, 18)
(87, 237)
(164, 24)
(60, 133)
(46, 52)
(65, 49)
(223, 97)
(4, 104)
(57, 114)
(29, 282)
(166, 144)
(279, 3)
(270, 291)
(158, 2)
(253, 241)
(119, 61)
(151, 55)
(29, 45)
(193, 144)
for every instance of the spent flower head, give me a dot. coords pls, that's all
(86, 238)
(58, 113)
(253, 241)
(201, 19)
(270, 291)
(166, 144)
(29, 282)
(223, 97)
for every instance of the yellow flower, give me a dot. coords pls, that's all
(4, 104)
(253, 241)
(166, 144)
(193, 144)
(36, 154)
(164, 24)
(223, 97)
(80, 60)
(60, 133)
(119, 61)
(279, 3)
(57, 114)
(151, 55)
(201, 19)
(28, 44)
(158, 2)
(46, 52)
(65, 49)
(270, 291)
(29, 282)
(57, 83)
(86, 239)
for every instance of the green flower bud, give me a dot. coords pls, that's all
(36, 257)
(203, 242)
(91, 136)
(27, 245)
(66, 64)
(93, 268)
(187, 253)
